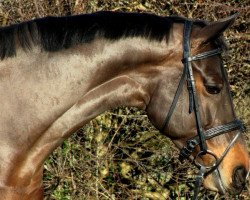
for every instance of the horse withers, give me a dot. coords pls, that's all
(58, 73)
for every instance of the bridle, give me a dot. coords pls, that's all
(202, 135)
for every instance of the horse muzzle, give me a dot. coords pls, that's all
(234, 185)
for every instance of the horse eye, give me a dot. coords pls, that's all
(213, 89)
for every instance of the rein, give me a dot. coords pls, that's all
(202, 135)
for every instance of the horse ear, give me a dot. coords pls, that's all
(214, 29)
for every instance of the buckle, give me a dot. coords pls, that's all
(186, 151)
(242, 126)
(186, 60)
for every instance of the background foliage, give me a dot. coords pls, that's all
(120, 155)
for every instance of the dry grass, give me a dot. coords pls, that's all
(119, 155)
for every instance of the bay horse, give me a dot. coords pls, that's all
(58, 73)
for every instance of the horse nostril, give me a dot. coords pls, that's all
(239, 178)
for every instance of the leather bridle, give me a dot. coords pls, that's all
(202, 135)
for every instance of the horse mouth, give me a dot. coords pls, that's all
(239, 178)
(218, 182)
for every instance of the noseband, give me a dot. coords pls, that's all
(202, 135)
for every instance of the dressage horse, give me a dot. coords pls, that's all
(58, 73)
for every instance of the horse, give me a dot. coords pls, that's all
(58, 73)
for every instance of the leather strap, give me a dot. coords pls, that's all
(175, 100)
(198, 182)
(191, 85)
(191, 144)
(202, 55)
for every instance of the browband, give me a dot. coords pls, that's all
(202, 55)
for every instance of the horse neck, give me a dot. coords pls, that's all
(108, 59)
(87, 79)
(72, 74)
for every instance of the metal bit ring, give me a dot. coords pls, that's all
(201, 153)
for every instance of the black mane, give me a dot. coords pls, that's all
(56, 33)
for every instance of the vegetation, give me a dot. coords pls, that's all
(120, 155)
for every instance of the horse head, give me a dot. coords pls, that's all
(225, 157)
